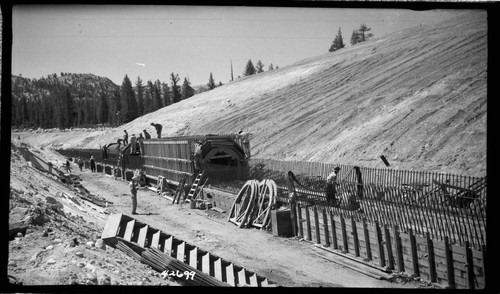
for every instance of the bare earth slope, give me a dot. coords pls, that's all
(418, 96)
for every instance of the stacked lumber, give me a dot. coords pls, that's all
(162, 263)
(253, 204)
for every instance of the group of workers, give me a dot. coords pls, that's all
(137, 143)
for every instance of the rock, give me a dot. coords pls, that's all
(19, 234)
(12, 263)
(100, 244)
(45, 234)
(105, 280)
(57, 241)
(50, 247)
(51, 261)
(80, 264)
(79, 254)
(90, 267)
(118, 261)
(90, 244)
(69, 242)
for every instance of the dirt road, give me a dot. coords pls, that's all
(286, 261)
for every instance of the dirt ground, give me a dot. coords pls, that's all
(48, 255)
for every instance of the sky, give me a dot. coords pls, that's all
(151, 42)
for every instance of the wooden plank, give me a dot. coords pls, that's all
(325, 227)
(231, 279)
(253, 280)
(449, 263)
(129, 230)
(193, 258)
(344, 234)
(264, 283)
(431, 257)
(141, 241)
(390, 256)
(218, 269)
(316, 225)
(242, 278)
(367, 240)
(399, 250)
(299, 217)
(334, 231)
(205, 263)
(111, 227)
(167, 249)
(181, 248)
(470, 267)
(156, 240)
(380, 245)
(355, 237)
(414, 254)
(308, 225)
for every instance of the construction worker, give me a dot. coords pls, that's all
(68, 166)
(331, 183)
(197, 157)
(147, 136)
(158, 128)
(92, 164)
(80, 164)
(292, 195)
(125, 137)
(133, 189)
(133, 144)
(141, 143)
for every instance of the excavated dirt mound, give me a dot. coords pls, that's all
(417, 96)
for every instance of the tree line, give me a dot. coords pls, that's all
(87, 100)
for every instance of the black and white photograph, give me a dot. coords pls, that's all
(247, 146)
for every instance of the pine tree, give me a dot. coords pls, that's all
(360, 35)
(270, 67)
(157, 94)
(129, 104)
(176, 95)
(152, 95)
(249, 69)
(139, 94)
(102, 109)
(166, 94)
(211, 83)
(338, 42)
(186, 90)
(259, 66)
(115, 108)
(148, 98)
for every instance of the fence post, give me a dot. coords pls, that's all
(367, 241)
(293, 219)
(334, 231)
(399, 249)
(316, 225)
(449, 263)
(308, 225)
(325, 226)
(299, 220)
(430, 256)
(355, 236)
(344, 233)
(470, 266)
(390, 256)
(414, 256)
(381, 254)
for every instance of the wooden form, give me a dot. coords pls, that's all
(123, 227)
(388, 248)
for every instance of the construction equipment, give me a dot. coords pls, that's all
(140, 238)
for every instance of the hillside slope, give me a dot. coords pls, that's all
(418, 96)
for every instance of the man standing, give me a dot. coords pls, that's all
(141, 143)
(133, 144)
(80, 164)
(133, 189)
(92, 164)
(158, 128)
(125, 138)
(331, 190)
(68, 166)
(147, 136)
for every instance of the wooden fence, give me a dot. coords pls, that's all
(388, 247)
(455, 209)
